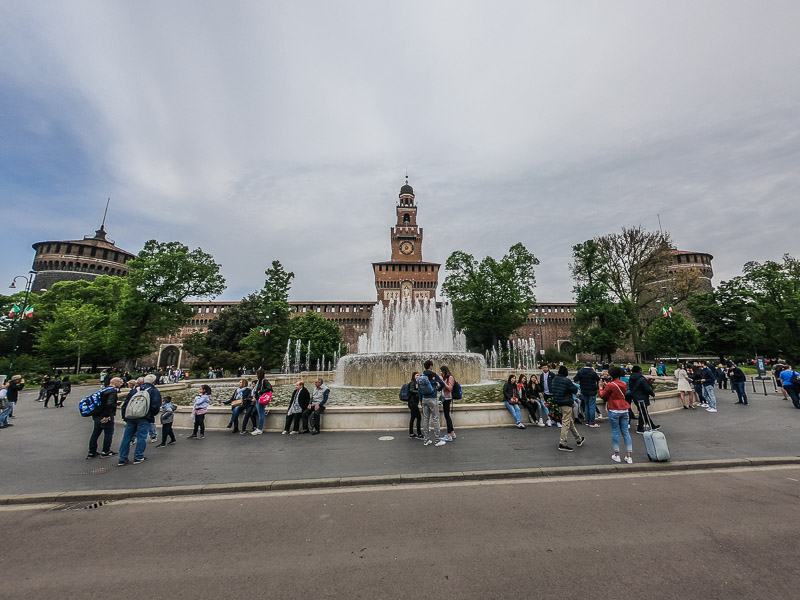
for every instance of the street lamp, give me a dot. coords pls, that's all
(540, 322)
(21, 314)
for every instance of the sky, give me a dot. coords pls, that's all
(264, 131)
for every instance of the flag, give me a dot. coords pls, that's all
(14, 311)
(263, 331)
(667, 311)
(28, 312)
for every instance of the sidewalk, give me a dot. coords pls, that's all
(44, 452)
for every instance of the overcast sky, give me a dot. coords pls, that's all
(283, 130)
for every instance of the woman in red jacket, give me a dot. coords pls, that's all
(617, 407)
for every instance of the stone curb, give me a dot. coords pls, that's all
(374, 480)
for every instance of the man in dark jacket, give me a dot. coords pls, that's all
(14, 387)
(139, 427)
(51, 387)
(430, 407)
(563, 390)
(708, 379)
(641, 390)
(589, 382)
(738, 381)
(104, 420)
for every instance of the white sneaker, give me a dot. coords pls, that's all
(616, 458)
(711, 409)
(558, 425)
(549, 422)
(540, 423)
(453, 435)
(427, 442)
(440, 443)
(629, 460)
(256, 432)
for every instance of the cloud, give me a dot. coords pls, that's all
(264, 131)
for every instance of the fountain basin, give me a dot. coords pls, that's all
(393, 369)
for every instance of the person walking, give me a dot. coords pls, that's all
(52, 387)
(410, 393)
(511, 399)
(589, 382)
(262, 388)
(617, 407)
(138, 427)
(788, 386)
(429, 384)
(104, 419)
(168, 409)
(14, 387)
(641, 391)
(563, 390)
(66, 388)
(447, 401)
(684, 385)
(199, 410)
(738, 381)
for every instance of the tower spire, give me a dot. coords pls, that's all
(100, 234)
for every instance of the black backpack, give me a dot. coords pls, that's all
(405, 395)
(456, 390)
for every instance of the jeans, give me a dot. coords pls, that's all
(235, 417)
(138, 428)
(795, 397)
(262, 413)
(107, 429)
(4, 414)
(738, 387)
(153, 431)
(166, 432)
(199, 424)
(619, 422)
(416, 417)
(708, 394)
(430, 411)
(591, 408)
(544, 413)
(514, 410)
(447, 404)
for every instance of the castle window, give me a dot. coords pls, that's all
(105, 253)
(58, 247)
(406, 218)
(93, 251)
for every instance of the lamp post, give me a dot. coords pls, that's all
(18, 325)
(540, 322)
(668, 314)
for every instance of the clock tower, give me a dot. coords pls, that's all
(406, 275)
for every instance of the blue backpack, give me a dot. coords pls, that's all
(91, 405)
(425, 386)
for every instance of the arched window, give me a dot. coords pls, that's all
(406, 218)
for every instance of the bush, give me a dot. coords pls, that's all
(32, 368)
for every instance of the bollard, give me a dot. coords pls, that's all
(753, 381)
(764, 383)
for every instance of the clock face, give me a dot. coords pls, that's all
(406, 247)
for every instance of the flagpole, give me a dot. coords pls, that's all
(18, 325)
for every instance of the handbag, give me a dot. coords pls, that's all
(265, 398)
(237, 402)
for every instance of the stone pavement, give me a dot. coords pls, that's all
(45, 451)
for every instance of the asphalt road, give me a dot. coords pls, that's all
(698, 535)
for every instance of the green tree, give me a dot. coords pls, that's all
(491, 299)
(161, 277)
(325, 336)
(74, 329)
(599, 325)
(660, 335)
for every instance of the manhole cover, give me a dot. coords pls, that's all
(386, 438)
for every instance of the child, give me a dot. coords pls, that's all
(201, 402)
(167, 416)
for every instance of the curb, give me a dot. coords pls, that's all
(399, 479)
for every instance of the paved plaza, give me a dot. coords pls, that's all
(45, 451)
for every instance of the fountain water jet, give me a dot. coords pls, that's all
(402, 336)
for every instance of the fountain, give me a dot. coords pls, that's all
(402, 336)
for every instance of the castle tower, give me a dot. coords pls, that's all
(406, 275)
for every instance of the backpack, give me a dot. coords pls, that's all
(457, 395)
(138, 406)
(425, 386)
(91, 405)
(405, 395)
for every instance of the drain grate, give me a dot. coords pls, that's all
(94, 471)
(82, 505)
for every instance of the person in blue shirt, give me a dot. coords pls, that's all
(788, 386)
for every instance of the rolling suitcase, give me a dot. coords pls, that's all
(656, 444)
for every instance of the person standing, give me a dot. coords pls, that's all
(298, 403)
(722, 377)
(199, 410)
(168, 409)
(589, 381)
(104, 420)
(563, 390)
(511, 400)
(684, 385)
(66, 388)
(617, 408)
(738, 381)
(641, 390)
(263, 386)
(429, 385)
(5, 406)
(15, 385)
(312, 415)
(139, 427)
(52, 387)
(697, 383)
(410, 393)
(708, 379)
(448, 382)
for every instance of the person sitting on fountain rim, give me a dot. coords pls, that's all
(318, 399)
